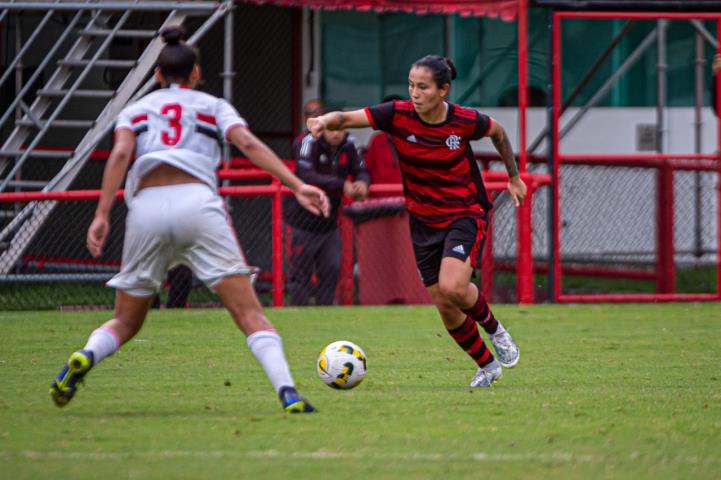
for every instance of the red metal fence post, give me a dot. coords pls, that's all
(277, 240)
(556, 192)
(524, 268)
(346, 264)
(717, 86)
(666, 268)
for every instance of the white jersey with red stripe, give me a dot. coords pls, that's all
(180, 127)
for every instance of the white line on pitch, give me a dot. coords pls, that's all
(557, 457)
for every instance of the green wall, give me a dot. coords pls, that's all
(366, 56)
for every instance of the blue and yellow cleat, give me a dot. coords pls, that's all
(293, 402)
(63, 387)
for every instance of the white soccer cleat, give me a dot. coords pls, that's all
(485, 376)
(506, 349)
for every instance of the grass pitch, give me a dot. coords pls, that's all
(630, 391)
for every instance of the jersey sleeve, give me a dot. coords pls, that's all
(381, 116)
(124, 121)
(483, 125)
(228, 118)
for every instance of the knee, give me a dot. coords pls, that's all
(453, 291)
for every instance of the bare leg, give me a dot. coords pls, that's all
(454, 282)
(455, 286)
(452, 292)
(451, 315)
(130, 313)
(456, 289)
(239, 298)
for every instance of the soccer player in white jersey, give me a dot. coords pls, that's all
(176, 216)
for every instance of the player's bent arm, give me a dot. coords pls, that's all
(338, 121)
(115, 168)
(263, 157)
(516, 186)
(500, 140)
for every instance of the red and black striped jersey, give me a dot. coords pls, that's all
(441, 179)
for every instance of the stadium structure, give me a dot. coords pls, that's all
(608, 103)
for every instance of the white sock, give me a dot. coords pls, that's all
(102, 343)
(267, 347)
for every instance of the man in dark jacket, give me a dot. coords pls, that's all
(332, 163)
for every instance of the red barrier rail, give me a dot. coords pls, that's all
(639, 297)
(494, 182)
(587, 271)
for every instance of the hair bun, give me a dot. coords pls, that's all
(172, 35)
(452, 67)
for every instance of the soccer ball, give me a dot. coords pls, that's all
(342, 365)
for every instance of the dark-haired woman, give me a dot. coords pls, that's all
(446, 200)
(176, 216)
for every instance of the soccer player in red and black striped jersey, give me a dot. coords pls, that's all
(446, 200)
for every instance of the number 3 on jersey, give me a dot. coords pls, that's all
(173, 112)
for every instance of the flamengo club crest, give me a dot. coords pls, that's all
(453, 142)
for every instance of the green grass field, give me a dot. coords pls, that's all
(629, 391)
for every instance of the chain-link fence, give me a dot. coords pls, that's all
(46, 264)
(645, 230)
(612, 234)
(364, 255)
(44, 261)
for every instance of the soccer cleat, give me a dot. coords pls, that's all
(63, 387)
(485, 376)
(506, 349)
(293, 402)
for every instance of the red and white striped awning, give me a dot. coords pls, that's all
(504, 9)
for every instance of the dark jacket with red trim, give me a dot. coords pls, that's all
(318, 165)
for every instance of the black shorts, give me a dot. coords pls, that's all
(463, 238)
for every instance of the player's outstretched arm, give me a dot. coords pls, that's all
(312, 198)
(516, 187)
(337, 121)
(113, 175)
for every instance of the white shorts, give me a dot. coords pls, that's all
(175, 224)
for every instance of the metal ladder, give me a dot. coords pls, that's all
(65, 86)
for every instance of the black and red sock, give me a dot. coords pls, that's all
(468, 338)
(481, 313)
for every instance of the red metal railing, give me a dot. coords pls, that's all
(494, 182)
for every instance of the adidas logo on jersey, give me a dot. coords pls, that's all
(459, 249)
(412, 138)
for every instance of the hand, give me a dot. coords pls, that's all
(359, 190)
(313, 199)
(517, 189)
(716, 65)
(97, 235)
(348, 189)
(315, 126)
